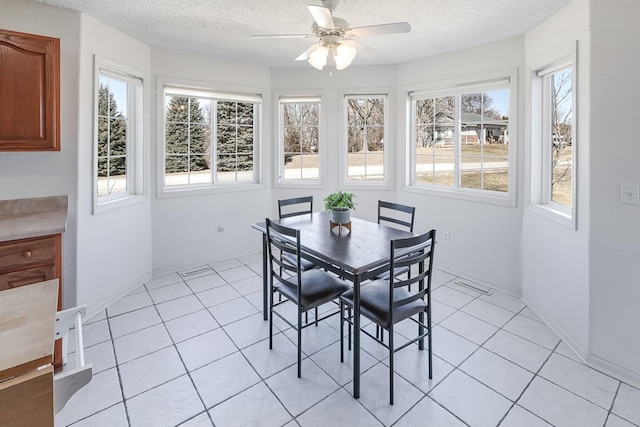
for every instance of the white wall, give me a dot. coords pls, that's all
(41, 174)
(113, 247)
(484, 237)
(614, 250)
(185, 228)
(555, 280)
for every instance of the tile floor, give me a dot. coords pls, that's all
(188, 349)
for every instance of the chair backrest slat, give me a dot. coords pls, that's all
(283, 239)
(395, 213)
(306, 206)
(409, 252)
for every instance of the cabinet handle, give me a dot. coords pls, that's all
(27, 254)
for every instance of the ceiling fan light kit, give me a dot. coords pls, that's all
(336, 37)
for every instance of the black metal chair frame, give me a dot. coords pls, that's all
(403, 252)
(384, 217)
(396, 207)
(287, 240)
(295, 201)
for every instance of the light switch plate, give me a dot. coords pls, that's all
(630, 194)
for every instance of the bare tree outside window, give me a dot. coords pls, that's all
(365, 138)
(462, 141)
(300, 121)
(561, 137)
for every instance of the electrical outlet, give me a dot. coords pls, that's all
(630, 194)
(445, 237)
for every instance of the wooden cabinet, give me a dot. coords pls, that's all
(28, 261)
(29, 92)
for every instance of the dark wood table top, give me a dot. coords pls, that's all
(363, 249)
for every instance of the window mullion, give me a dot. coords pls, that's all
(457, 148)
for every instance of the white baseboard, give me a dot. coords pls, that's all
(579, 350)
(176, 268)
(478, 279)
(92, 311)
(618, 372)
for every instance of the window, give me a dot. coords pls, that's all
(299, 140)
(461, 140)
(558, 147)
(119, 136)
(366, 131)
(210, 138)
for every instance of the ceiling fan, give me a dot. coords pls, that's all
(335, 36)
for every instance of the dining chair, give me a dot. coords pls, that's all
(388, 302)
(307, 289)
(294, 207)
(397, 216)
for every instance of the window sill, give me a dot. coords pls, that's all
(185, 191)
(371, 185)
(549, 212)
(109, 203)
(498, 199)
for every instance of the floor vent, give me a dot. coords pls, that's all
(472, 287)
(196, 271)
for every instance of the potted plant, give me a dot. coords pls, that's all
(339, 204)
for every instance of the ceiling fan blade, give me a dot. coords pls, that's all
(363, 49)
(282, 36)
(372, 30)
(322, 16)
(305, 55)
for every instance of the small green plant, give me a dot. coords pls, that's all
(339, 200)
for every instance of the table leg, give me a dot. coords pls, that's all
(356, 337)
(265, 287)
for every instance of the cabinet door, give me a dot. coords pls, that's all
(30, 95)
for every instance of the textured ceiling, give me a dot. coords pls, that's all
(221, 28)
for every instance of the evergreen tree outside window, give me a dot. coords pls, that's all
(112, 136)
(460, 140)
(119, 136)
(210, 138)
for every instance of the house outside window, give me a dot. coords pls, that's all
(366, 131)
(460, 141)
(299, 140)
(211, 139)
(119, 136)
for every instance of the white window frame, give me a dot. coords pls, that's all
(292, 97)
(481, 83)
(387, 182)
(135, 159)
(541, 140)
(217, 91)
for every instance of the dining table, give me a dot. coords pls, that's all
(356, 255)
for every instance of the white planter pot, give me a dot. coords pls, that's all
(340, 216)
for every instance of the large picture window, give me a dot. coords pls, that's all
(119, 135)
(299, 140)
(461, 139)
(366, 131)
(210, 138)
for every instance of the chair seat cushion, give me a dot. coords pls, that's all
(318, 287)
(304, 264)
(374, 303)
